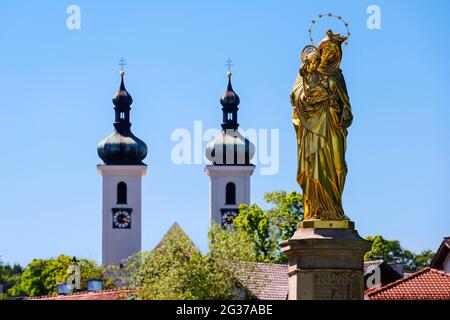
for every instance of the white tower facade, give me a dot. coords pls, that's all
(231, 168)
(121, 211)
(122, 153)
(229, 187)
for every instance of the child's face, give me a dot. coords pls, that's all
(313, 64)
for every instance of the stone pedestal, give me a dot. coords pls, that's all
(326, 261)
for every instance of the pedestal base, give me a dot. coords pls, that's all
(325, 263)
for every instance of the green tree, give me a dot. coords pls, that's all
(267, 228)
(421, 260)
(392, 252)
(31, 282)
(41, 275)
(176, 269)
(9, 275)
(387, 250)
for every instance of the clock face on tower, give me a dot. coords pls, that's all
(228, 216)
(121, 218)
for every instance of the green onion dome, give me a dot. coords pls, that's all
(230, 147)
(122, 147)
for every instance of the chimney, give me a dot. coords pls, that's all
(94, 285)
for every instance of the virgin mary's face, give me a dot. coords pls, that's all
(330, 52)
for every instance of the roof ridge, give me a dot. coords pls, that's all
(272, 263)
(373, 261)
(78, 293)
(175, 227)
(441, 272)
(404, 279)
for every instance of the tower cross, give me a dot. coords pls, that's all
(122, 63)
(229, 64)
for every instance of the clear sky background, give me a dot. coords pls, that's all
(56, 87)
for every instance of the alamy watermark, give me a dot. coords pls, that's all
(373, 277)
(73, 281)
(73, 22)
(374, 19)
(190, 147)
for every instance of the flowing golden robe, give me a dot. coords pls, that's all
(321, 125)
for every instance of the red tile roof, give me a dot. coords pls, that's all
(116, 294)
(426, 284)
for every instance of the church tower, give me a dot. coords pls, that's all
(122, 171)
(231, 169)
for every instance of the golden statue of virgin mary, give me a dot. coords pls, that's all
(321, 116)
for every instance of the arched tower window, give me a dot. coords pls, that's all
(230, 193)
(122, 193)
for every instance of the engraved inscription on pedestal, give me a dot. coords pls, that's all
(326, 285)
(334, 286)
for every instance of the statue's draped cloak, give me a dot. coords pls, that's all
(321, 140)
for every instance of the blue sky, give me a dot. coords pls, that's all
(56, 106)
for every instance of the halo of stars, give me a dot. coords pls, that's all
(320, 16)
